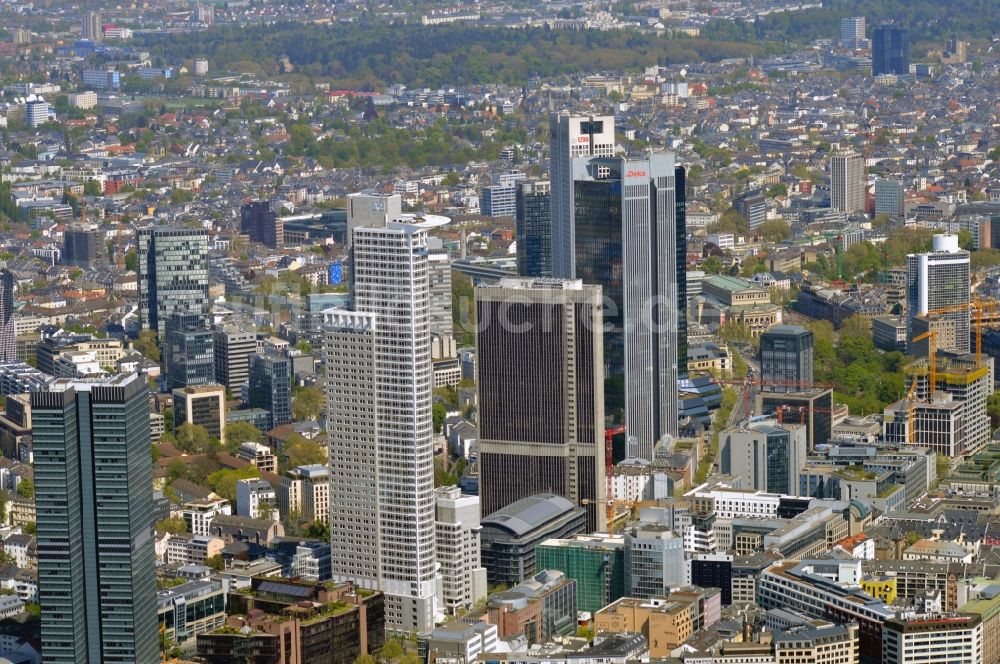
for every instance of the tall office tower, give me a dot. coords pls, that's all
(533, 217)
(936, 280)
(847, 182)
(890, 51)
(188, 350)
(889, 198)
(371, 209)
(203, 405)
(630, 239)
(766, 454)
(93, 493)
(91, 27)
(786, 358)
(544, 435)
(379, 425)
(752, 206)
(8, 332)
(852, 32)
(173, 274)
(262, 224)
(82, 246)
(439, 318)
(234, 346)
(271, 387)
(571, 137)
(463, 577)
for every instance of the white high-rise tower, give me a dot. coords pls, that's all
(378, 358)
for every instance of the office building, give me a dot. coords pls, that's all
(890, 51)
(543, 606)
(203, 405)
(8, 331)
(937, 280)
(571, 137)
(629, 238)
(271, 386)
(456, 525)
(262, 224)
(91, 27)
(847, 182)
(82, 246)
(932, 638)
(233, 347)
(498, 200)
(193, 608)
(889, 198)
(654, 560)
(786, 358)
(188, 350)
(93, 493)
(533, 230)
(371, 209)
(255, 498)
(852, 32)
(753, 208)
(767, 455)
(439, 315)
(173, 274)
(811, 407)
(379, 408)
(36, 113)
(102, 79)
(596, 562)
(545, 435)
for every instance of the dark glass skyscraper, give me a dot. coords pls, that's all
(8, 334)
(94, 496)
(271, 386)
(173, 274)
(786, 358)
(188, 350)
(630, 239)
(890, 51)
(533, 201)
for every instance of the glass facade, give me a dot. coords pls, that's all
(188, 350)
(271, 387)
(890, 51)
(534, 229)
(173, 274)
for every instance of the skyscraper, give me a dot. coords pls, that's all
(371, 208)
(8, 333)
(630, 239)
(534, 228)
(188, 350)
(93, 493)
(786, 358)
(271, 386)
(234, 346)
(847, 187)
(940, 279)
(890, 51)
(262, 224)
(767, 455)
(571, 137)
(852, 32)
(546, 434)
(173, 274)
(439, 318)
(91, 27)
(379, 425)
(889, 198)
(82, 246)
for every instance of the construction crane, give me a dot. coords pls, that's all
(931, 336)
(779, 411)
(978, 310)
(911, 412)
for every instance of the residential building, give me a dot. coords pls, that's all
(203, 405)
(786, 358)
(304, 493)
(544, 435)
(256, 499)
(890, 51)
(596, 562)
(847, 186)
(271, 387)
(379, 408)
(173, 274)
(259, 455)
(92, 490)
(199, 514)
(533, 217)
(456, 527)
(936, 280)
(188, 350)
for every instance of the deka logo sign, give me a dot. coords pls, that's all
(635, 174)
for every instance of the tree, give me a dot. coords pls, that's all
(92, 188)
(26, 487)
(297, 450)
(131, 261)
(146, 344)
(308, 402)
(30, 528)
(216, 562)
(364, 659)
(195, 439)
(238, 433)
(965, 240)
(392, 650)
(174, 525)
(439, 413)
(223, 482)
(711, 265)
(775, 230)
(318, 530)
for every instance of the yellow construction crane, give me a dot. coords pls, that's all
(911, 412)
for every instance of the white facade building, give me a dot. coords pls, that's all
(463, 578)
